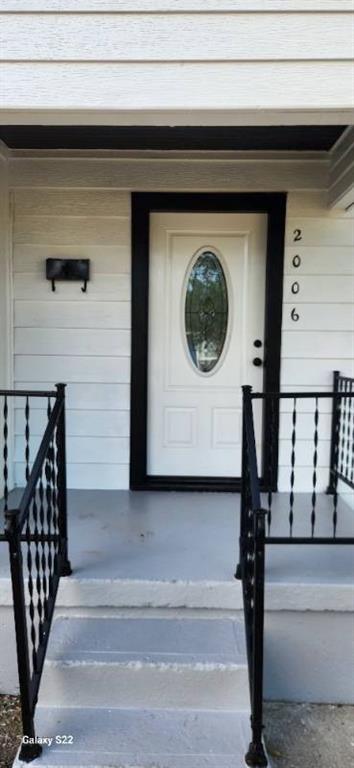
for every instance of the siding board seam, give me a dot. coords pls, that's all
(300, 9)
(161, 62)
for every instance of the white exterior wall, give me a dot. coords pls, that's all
(265, 57)
(83, 339)
(5, 377)
(322, 340)
(80, 207)
(5, 291)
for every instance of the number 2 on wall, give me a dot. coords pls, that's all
(295, 288)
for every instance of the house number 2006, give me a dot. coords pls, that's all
(295, 288)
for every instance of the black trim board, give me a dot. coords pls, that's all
(296, 138)
(143, 204)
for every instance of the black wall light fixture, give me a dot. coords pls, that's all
(69, 270)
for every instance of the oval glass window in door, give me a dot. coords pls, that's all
(206, 311)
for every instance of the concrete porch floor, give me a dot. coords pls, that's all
(171, 555)
(193, 537)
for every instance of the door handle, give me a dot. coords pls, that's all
(257, 361)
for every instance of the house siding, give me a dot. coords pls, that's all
(176, 56)
(322, 339)
(84, 339)
(81, 339)
(5, 298)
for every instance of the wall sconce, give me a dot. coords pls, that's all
(68, 270)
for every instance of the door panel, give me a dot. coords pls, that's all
(202, 351)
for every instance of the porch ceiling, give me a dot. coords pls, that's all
(284, 138)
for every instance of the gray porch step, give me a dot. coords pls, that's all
(161, 640)
(143, 738)
(173, 663)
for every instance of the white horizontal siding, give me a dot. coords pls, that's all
(318, 288)
(87, 203)
(313, 344)
(87, 395)
(106, 259)
(82, 339)
(238, 55)
(316, 205)
(29, 285)
(72, 314)
(98, 423)
(158, 37)
(174, 6)
(304, 424)
(65, 341)
(92, 477)
(5, 300)
(83, 449)
(156, 86)
(302, 483)
(303, 406)
(327, 317)
(319, 231)
(304, 450)
(322, 339)
(320, 260)
(308, 372)
(71, 230)
(70, 369)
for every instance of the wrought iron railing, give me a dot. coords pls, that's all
(292, 514)
(342, 433)
(36, 532)
(251, 571)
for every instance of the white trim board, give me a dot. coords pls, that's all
(184, 117)
(341, 174)
(134, 173)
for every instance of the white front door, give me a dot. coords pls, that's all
(206, 327)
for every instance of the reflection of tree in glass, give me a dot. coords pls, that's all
(206, 311)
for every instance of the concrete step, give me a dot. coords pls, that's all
(136, 738)
(143, 662)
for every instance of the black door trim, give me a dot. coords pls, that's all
(144, 203)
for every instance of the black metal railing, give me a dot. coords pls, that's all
(36, 532)
(316, 435)
(251, 571)
(342, 433)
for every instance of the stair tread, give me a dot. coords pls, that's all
(144, 640)
(132, 738)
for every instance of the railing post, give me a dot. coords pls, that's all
(256, 755)
(62, 488)
(246, 392)
(335, 425)
(28, 751)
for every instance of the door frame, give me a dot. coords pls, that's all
(143, 204)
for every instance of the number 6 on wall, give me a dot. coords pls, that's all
(294, 315)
